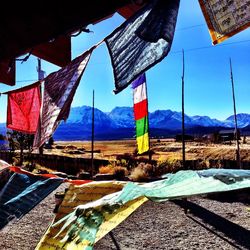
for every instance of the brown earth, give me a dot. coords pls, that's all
(153, 226)
(163, 149)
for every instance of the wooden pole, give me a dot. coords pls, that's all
(40, 77)
(39, 69)
(183, 114)
(92, 137)
(235, 119)
(183, 125)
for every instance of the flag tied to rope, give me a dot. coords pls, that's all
(59, 90)
(142, 41)
(23, 109)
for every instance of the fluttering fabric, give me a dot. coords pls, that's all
(23, 192)
(89, 217)
(225, 18)
(78, 195)
(19, 170)
(141, 113)
(142, 41)
(23, 108)
(59, 90)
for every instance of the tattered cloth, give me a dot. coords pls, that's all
(225, 18)
(142, 41)
(90, 216)
(23, 108)
(59, 90)
(98, 226)
(23, 192)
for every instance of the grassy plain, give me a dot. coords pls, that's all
(163, 149)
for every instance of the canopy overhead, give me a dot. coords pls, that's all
(44, 30)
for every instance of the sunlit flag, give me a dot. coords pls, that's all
(142, 41)
(225, 18)
(141, 113)
(23, 108)
(59, 90)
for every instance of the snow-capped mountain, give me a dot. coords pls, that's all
(119, 123)
(243, 120)
(123, 117)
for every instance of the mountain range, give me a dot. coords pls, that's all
(119, 124)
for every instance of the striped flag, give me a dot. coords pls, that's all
(141, 113)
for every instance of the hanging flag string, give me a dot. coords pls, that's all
(22, 88)
(24, 59)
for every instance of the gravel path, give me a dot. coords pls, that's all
(153, 226)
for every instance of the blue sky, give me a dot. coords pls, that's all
(207, 74)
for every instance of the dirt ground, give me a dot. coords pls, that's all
(214, 225)
(209, 223)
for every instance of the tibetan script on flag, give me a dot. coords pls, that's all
(23, 109)
(59, 90)
(80, 195)
(141, 113)
(142, 41)
(225, 18)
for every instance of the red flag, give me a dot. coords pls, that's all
(24, 108)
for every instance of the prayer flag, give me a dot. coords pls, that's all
(59, 90)
(23, 109)
(141, 113)
(225, 18)
(103, 223)
(82, 226)
(142, 41)
(23, 192)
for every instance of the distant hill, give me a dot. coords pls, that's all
(2, 128)
(119, 124)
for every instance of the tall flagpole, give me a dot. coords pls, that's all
(40, 77)
(92, 137)
(183, 114)
(235, 119)
(183, 125)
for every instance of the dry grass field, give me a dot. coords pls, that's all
(164, 149)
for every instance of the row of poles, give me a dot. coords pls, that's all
(183, 116)
(40, 77)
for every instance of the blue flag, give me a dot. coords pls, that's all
(23, 192)
(142, 41)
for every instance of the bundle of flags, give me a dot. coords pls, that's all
(141, 113)
(82, 226)
(138, 44)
